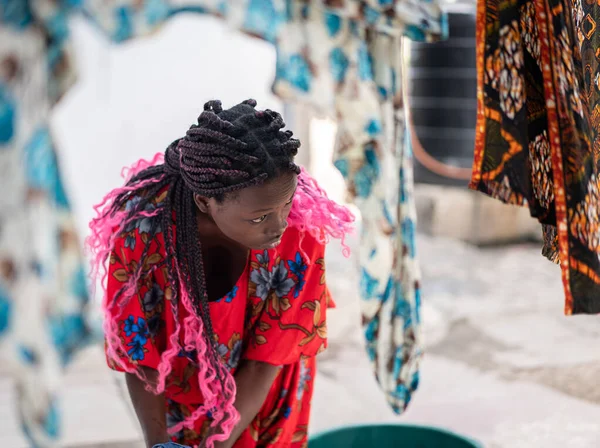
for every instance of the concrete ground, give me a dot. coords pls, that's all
(502, 365)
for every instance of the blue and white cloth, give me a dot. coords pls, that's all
(344, 58)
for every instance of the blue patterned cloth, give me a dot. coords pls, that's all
(345, 60)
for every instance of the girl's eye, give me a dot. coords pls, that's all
(259, 220)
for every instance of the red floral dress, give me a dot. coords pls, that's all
(276, 313)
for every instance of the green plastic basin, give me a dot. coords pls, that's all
(390, 436)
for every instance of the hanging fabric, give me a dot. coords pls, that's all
(342, 57)
(537, 129)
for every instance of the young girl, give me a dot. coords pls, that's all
(215, 293)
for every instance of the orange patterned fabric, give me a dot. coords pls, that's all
(537, 128)
(276, 313)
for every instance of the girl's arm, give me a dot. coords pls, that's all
(253, 380)
(150, 409)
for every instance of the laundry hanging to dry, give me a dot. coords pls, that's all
(537, 130)
(343, 57)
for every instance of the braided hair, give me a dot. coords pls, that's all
(226, 151)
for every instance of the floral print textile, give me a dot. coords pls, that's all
(538, 128)
(275, 313)
(342, 57)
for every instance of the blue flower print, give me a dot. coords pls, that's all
(230, 295)
(7, 114)
(153, 297)
(417, 304)
(368, 173)
(58, 27)
(52, 421)
(368, 285)
(140, 339)
(156, 11)
(236, 355)
(343, 167)
(389, 288)
(41, 166)
(333, 23)
(27, 354)
(174, 417)
(365, 63)
(262, 19)
(400, 395)
(371, 333)
(383, 92)
(281, 283)
(374, 127)
(371, 330)
(413, 32)
(262, 278)
(222, 350)
(408, 236)
(191, 355)
(136, 352)
(276, 280)
(124, 19)
(272, 287)
(304, 379)
(402, 308)
(287, 412)
(298, 268)
(129, 326)
(371, 15)
(17, 14)
(403, 197)
(263, 258)
(296, 71)
(338, 64)
(5, 309)
(143, 225)
(155, 324)
(138, 328)
(78, 285)
(130, 241)
(68, 332)
(414, 383)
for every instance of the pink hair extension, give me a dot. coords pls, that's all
(105, 228)
(128, 172)
(313, 212)
(226, 416)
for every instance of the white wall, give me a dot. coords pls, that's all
(132, 100)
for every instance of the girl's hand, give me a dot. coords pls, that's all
(253, 380)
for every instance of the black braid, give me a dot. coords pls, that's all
(226, 151)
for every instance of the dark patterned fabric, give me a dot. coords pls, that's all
(537, 129)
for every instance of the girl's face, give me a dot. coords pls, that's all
(254, 217)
